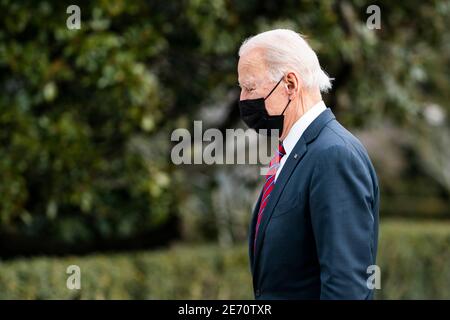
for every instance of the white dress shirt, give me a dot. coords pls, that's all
(298, 129)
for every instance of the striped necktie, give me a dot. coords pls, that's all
(268, 186)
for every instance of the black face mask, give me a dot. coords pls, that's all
(254, 114)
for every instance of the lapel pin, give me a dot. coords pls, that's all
(295, 156)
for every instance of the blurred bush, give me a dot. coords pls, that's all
(413, 258)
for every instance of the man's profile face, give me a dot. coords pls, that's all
(255, 83)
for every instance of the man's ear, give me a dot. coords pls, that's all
(292, 84)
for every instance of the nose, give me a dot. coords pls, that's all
(242, 96)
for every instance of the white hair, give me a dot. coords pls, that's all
(285, 50)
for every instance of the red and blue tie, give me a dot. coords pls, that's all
(268, 186)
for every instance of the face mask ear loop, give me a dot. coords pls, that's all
(303, 104)
(273, 88)
(286, 106)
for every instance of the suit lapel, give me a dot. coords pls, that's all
(294, 158)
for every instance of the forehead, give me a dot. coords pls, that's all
(251, 66)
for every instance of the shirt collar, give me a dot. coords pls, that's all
(301, 125)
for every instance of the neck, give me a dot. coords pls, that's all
(296, 113)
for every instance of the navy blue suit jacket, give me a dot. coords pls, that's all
(319, 230)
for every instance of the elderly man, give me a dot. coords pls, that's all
(314, 231)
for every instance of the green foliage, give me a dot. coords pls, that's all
(71, 103)
(413, 258)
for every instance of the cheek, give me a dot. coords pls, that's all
(275, 105)
(271, 107)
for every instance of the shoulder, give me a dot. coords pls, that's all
(337, 144)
